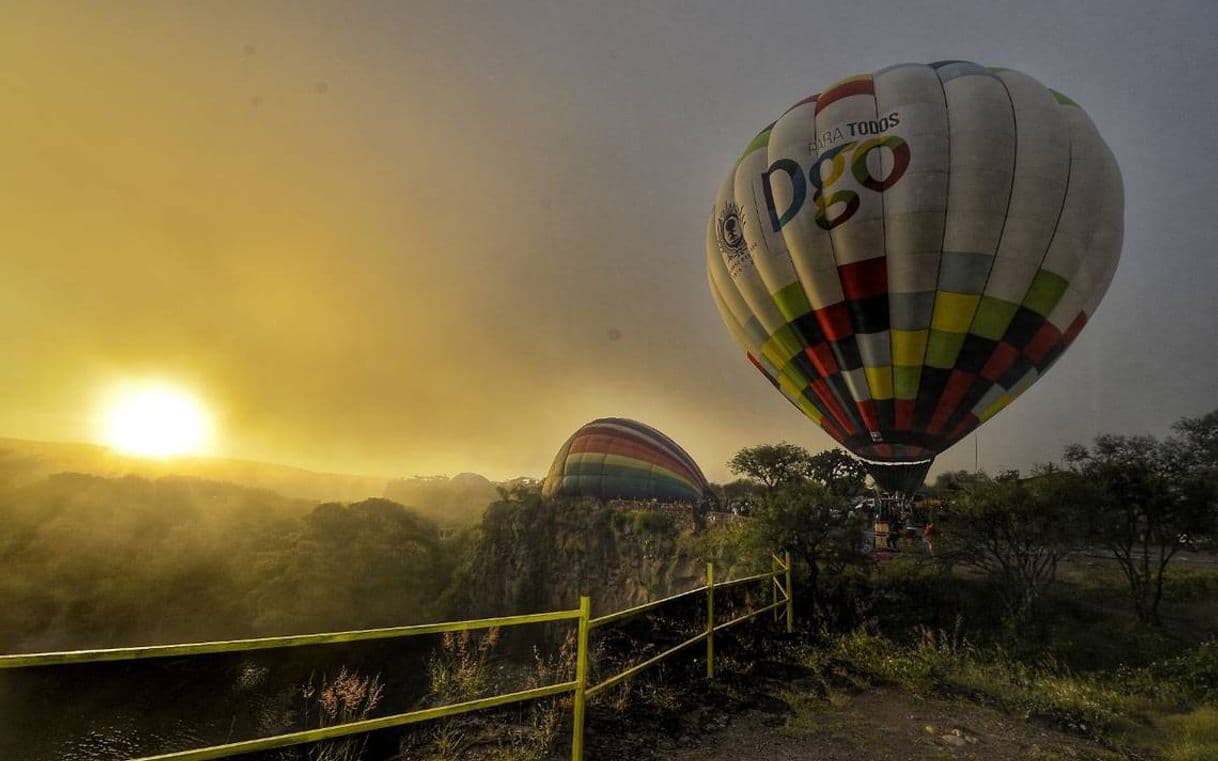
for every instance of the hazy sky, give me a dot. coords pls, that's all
(426, 237)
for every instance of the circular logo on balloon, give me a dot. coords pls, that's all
(729, 228)
(733, 236)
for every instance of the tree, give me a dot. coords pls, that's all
(1196, 444)
(1198, 438)
(773, 465)
(367, 564)
(520, 490)
(952, 481)
(1016, 532)
(838, 472)
(738, 497)
(814, 525)
(1151, 498)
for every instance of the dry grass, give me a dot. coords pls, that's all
(462, 669)
(346, 698)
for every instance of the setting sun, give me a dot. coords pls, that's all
(157, 421)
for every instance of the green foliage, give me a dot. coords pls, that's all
(653, 522)
(772, 465)
(1194, 673)
(508, 527)
(1016, 532)
(93, 561)
(1150, 499)
(542, 554)
(520, 490)
(776, 465)
(1197, 440)
(1191, 736)
(1083, 618)
(943, 664)
(842, 475)
(1191, 586)
(373, 562)
(730, 546)
(953, 481)
(814, 525)
(903, 596)
(739, 496)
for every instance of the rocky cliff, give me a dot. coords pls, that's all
(533, 555)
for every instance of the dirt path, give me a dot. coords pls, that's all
(886, 725)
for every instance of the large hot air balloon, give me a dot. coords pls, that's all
(905, 253)
(616, 458)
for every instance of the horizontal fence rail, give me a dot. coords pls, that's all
(780, 574)
(359, 727)
(746, 580)
(747, 616)
(640, 609)
(267, 643)
(623, 676)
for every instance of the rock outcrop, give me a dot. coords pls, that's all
(535, 555)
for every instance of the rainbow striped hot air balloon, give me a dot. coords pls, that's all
(905, 253)
(616, 458)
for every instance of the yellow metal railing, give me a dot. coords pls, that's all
(780, 573)
(265, 643)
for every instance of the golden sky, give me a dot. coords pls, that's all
(407, 238)
(338, 246)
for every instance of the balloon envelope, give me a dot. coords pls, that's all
(616, 458)
(906, 252)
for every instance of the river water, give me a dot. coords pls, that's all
(113, 711)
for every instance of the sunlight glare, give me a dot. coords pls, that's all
(157, 421)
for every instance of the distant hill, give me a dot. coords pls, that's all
(450, 501)
(23, 462)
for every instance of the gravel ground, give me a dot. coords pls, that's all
(886, 725)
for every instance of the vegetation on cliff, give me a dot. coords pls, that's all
(95, 562)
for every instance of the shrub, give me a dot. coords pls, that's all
(1016, 532)
(653, 522)
(346, 698)
(459, 670)
(1194, 674)
(942, 663)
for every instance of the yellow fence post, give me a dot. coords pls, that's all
(774, 583)
(581, 679)
(790, 597)
(710, 620)
(781, 568)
